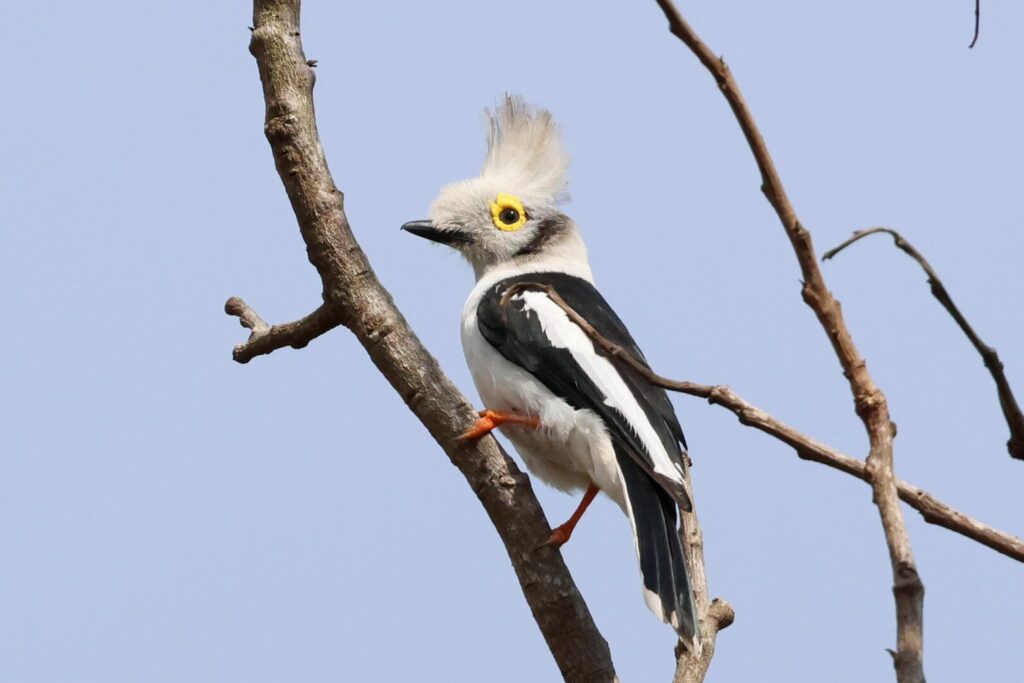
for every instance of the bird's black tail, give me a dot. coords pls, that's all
(667, 590)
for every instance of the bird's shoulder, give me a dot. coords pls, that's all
(495, 302)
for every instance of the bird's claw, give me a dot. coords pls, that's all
(485, 424)
(559, 537)
(490, 420)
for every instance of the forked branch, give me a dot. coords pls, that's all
(264, 338)
(1007, 401)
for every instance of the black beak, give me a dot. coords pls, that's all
(427, 229)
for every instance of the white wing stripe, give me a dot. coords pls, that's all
(564, 334)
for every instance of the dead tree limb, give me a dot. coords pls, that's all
(1007, 401)
(869, 401)
(355, 298)
(264, 338)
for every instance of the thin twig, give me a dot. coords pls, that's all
(932, 510)
(1007, 401)
(354, 297)
(977, 22)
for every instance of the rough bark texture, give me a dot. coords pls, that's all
(869, 401)
(355, 298)
(1007, 401)
(715, 615)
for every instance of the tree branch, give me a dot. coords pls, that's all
(714, 615)
(355, 298)
(1007, 401)
(869, 401)
(265, 338)
(933, 510)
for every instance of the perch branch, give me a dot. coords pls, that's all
(932, 510)
(1007, 401)
(714, 615)
(869, 401)
(355, 298)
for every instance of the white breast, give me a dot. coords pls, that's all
(572, 449)
(506, 386)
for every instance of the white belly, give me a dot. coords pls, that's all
(571, 450)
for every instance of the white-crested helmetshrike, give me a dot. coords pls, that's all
(579, 420)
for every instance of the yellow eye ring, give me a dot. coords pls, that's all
(507, 213)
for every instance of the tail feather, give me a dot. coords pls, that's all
(666, 584)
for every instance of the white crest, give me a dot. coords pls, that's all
(525, 152)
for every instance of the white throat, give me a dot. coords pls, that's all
(567, 254)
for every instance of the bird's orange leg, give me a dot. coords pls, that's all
(562, 533)
(492, 419)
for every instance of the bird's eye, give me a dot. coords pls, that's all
(507, 213)
(509, 216)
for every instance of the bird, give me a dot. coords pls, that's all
(579, 420)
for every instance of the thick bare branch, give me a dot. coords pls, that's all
(869, 400)
(933, 510)
(355, 298)
(1007, 401)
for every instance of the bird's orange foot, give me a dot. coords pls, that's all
(559, 536)
(490, 420)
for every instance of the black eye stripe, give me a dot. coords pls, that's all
(549, 229)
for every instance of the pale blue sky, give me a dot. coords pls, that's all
(168, 515)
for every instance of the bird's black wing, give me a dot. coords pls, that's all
(515, 330)
(530, 330)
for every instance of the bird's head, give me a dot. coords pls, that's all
(509, 212)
